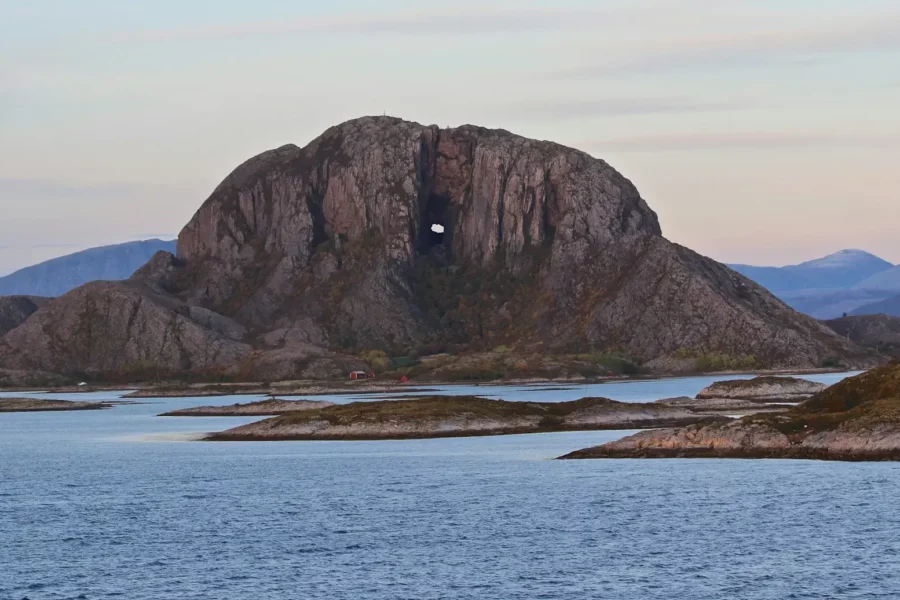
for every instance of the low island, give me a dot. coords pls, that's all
(750, 396)
(458, 416)
(263, 408)
(39, 405)
(763, 389)
(856, 419)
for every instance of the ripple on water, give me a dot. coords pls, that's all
(86, 511)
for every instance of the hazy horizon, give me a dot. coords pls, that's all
(761, 133)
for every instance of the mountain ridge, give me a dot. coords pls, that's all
(59, 275)
(829, 286)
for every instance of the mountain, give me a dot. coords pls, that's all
(838, 271)
(888, 279)
(828, 287)
(888, 306)
(59, 275)
(831, 305)
(304, 257)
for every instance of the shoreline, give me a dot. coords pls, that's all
(29, 405)
(221, 437)
(336, 387)
(755, 454)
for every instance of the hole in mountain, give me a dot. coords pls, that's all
(436, 234)
(435, 230)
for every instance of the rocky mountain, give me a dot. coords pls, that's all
(878, 332)
(304, 257)
(105, 263)
(827, 287)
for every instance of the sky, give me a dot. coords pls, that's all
(761, 131)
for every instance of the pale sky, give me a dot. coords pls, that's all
(761, 131)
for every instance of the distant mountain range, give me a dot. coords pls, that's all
(57, 276)
(850, 281)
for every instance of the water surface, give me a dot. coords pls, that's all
(111, 504)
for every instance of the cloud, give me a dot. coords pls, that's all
(757, 140)
(459, 22)
(617, 107)
(796, 46)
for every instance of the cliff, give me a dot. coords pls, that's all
(305, 256)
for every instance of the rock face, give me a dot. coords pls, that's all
(304, 255)
(14, 310)
(857, 419)
(449, 416)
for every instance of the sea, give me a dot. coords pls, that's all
(124, 504)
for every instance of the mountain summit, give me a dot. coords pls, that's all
(304, 256)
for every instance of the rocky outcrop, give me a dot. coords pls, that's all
(452, 416)
(857, 419)
(118, 329)
(14, 310)
(304, 256)
(763, 389)
(264, 408)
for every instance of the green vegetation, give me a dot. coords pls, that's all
(605, 363)
(478, 307)
(378, 360)
(438, 407)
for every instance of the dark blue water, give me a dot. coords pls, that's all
(109, 504)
